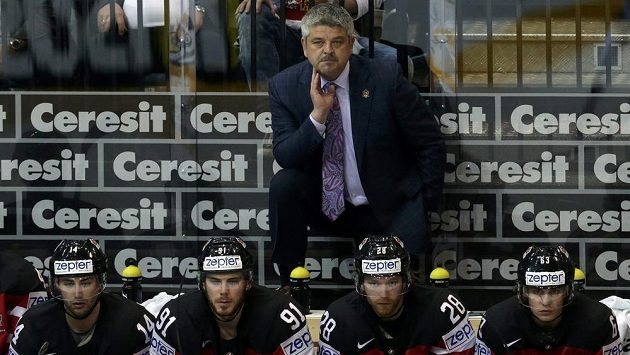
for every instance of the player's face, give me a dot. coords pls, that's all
(79, 293)
(546, 303)
(384, 294)
(328, 50)
(226, 293)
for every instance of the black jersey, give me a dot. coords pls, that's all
(270, 323)
(433, 321)
(123, 327)
(587, 327)
(21, 286)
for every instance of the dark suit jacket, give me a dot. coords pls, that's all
(399, 147)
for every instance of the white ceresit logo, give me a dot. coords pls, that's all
(555, 278)
(70, 267)
(389, 266)
(222, 263)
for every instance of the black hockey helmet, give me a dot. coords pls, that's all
(224, 254)
(77, 258)
(545, 267)
(381, 256)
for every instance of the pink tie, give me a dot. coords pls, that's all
(332, 163)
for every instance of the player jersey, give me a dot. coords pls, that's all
(296, 9)
(21, 287)
(122, 328)
(433, 321)
(270, 323)
(587, 327)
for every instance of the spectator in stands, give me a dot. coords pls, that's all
(269, 28)
(384, 175)
(229, 314)
(21, 286)
(547, 316)
(81, 318)
(388, 314)
(104, 19)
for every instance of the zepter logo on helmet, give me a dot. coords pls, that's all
(381, 257)
(545, 268)
(77, 258)
(225, 254)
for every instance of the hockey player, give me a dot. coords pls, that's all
(229, 314)
(547, 316)
(80, 318)
(21, 286)
(388, 314)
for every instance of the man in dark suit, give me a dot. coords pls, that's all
(392, 168)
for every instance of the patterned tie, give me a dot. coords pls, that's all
(332, 163)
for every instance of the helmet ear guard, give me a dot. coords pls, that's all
(381, 256)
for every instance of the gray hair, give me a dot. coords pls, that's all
(327, 15)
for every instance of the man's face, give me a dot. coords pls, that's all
(226, 293)
(546, 303)
(79, 293)
(328, 49)
(384, 294)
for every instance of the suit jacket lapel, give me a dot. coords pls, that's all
(361, 94)
(304, 88)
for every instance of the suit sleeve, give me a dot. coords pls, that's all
(291, 332)
(296, 142)
(422, 135)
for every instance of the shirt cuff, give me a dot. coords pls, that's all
(321, 128)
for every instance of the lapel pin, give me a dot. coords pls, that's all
(365, 93)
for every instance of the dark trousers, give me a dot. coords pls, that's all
(294, 205)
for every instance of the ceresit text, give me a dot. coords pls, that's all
(568, 220)
(465, 121)
(465, 219)
(147, 119)
(231, 167)
(610, 268)
(150, 215)
(552, 169)
(227, 219)
(525, 122)
(608, 171)
(228, 122)
(153, 267)
(472, 269)
(67, 168)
